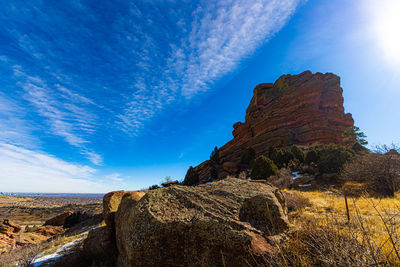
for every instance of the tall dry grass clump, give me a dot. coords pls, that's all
(323, 235)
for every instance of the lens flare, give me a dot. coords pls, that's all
(385, 27)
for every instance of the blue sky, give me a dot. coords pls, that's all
(118, 95)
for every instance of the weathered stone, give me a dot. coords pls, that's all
(167, 184)
(305, 109)
(59, 219)
(199, 226)
(49, 231)
(111, 202)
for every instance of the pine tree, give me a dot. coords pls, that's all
(191, 177)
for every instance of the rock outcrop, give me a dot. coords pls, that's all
(223, 223)
(59, 219)
(305, 109)
(7, 227)
(112, 200)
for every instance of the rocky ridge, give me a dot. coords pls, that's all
(304, 109)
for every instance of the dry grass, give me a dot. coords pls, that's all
(323, 236)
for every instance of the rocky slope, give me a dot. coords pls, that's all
(225, 223)
(304, 109)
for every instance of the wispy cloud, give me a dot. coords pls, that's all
(63, 110)
(114, 177)
(92, 74)
(13, 128)
(43, 172)
(214, 42)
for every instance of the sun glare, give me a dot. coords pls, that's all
(386, 28)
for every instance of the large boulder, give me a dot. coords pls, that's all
(225, 223)
(59, 219)
(111, 202)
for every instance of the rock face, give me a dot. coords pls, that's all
(305, 109)
(100, 245)
(59, 219)
(223, 223)
(111, 202)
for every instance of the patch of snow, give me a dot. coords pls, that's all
(296, 175)
(57, 254)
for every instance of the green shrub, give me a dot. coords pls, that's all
(276, 156)
(154, 186)
(311, 157)
(298, 153)
(281, 157)
(331, 158)
(263, 168)
(248, 156)
(288, 156)
(191, 177)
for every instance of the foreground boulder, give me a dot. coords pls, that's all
(226, 223)
(111, 202)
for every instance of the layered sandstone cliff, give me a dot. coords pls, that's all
(304, 109)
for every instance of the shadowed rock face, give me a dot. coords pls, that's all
(305, 109)
(59, 219)
(223, 223)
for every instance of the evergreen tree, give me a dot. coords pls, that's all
(298, 153)
(353, 135)
(214, 157)
(263, 168)
(191, 177)
(276, 156)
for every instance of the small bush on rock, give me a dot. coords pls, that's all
(154, 186)
(263, 168)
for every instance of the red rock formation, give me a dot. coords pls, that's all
(59, 219)
(305, 109)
